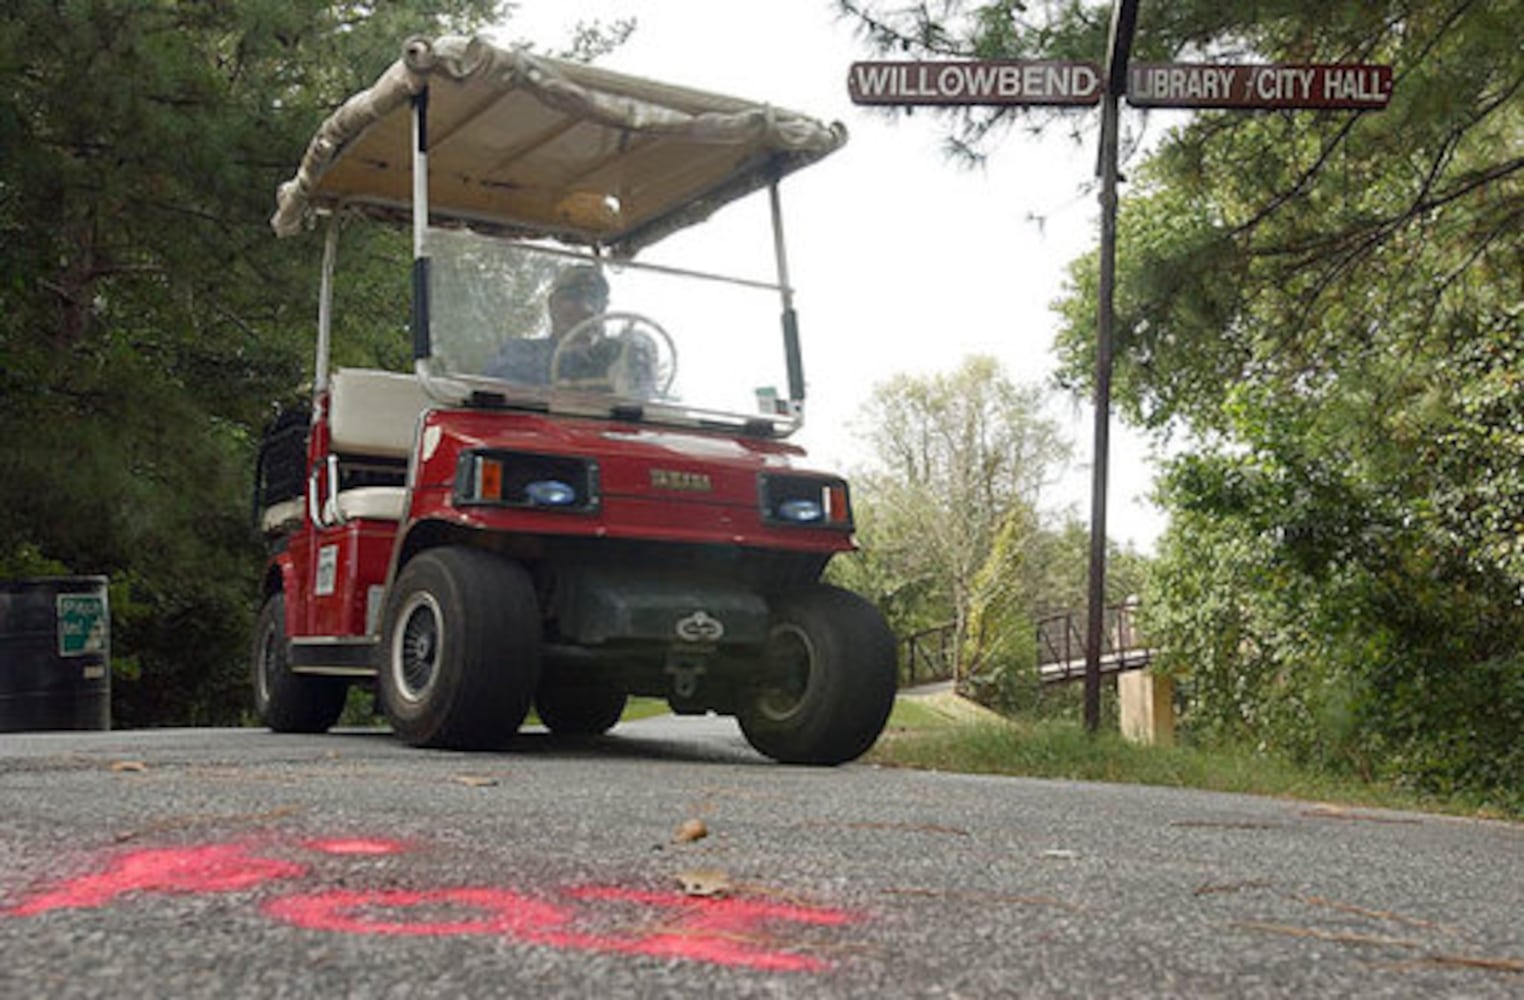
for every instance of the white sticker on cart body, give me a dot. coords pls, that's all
(327, 570)
(375, 597)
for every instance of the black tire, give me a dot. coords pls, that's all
(578, 710)
(284, 701)
(460, 650)
(829, 669)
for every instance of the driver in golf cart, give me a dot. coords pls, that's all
(579, 352)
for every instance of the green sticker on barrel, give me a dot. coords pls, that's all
(82, 624)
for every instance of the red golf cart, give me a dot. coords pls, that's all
(572, 498)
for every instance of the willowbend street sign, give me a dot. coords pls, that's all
(1152, 85)
(986, 82)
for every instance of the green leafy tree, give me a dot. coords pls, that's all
(961, 461)
(149, 318)
(1330, 303)
(1326, 308)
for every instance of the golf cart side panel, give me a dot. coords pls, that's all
(332, 542)
(348, 577)
(332, 577)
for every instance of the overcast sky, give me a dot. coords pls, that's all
(902, 260)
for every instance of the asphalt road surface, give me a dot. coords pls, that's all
(226, 863)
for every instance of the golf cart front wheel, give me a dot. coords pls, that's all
(460, 653)
(828, 679)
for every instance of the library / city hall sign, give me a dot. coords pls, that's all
(1149, 85)
(1204, 85)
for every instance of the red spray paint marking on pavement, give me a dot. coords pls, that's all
(212, 868)
(729, 932)
(719, 931)
(356, 846)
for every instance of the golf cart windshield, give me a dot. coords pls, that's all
(471, 141)
(527, 324)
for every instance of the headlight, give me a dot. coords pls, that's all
(801, 511)
(805, 501)
(521, 479)
(551, 493)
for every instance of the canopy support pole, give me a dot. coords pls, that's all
(325, 304)
(422, 346)
(790, 318)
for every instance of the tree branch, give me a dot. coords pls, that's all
(1299, 186)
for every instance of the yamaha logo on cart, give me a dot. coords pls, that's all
(687, 482)
(700, 626)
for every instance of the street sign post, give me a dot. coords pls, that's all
(1124, 21)
(1356, 87)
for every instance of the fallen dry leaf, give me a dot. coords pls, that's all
(708, 882)
(693, 829)
(128, 767)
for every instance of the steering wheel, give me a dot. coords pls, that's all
(621, 376)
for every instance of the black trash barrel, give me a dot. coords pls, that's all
(55, 654)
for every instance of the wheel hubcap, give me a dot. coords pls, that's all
(790, 659)
(416, 648)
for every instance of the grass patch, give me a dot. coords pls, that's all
(918, 736)
(644, 708)
(916, 715)
(634, 708)
(359, 709)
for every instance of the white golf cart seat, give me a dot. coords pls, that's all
(279, 518)
(377, 503)
(373, 415)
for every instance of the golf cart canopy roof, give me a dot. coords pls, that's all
(542, 147)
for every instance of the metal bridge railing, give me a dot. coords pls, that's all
(929, 655)
(1061, 643)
